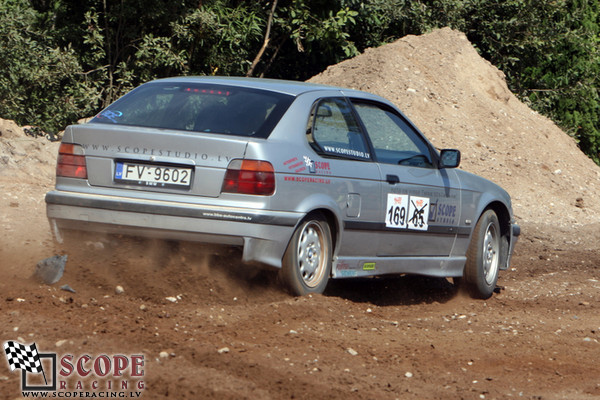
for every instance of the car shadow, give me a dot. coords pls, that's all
(394, 290)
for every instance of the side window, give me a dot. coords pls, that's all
(394, 140)
(333, 130)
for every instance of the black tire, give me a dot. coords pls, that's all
(307, 261)
(483, 257)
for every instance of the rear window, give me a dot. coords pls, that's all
(211, 108)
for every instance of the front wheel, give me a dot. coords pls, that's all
(307, 260)
(483, 257)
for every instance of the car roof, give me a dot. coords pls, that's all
(293, 88)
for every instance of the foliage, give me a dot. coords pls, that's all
(32, 67)
(219, 39)
(119, 44)
(64, 59)
(549, 51)
(564, 83)
(309, 35)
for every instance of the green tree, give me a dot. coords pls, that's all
(564, 83)
(219, 37)
(64, 59)
(549, 51)
(309, 35)
(119, 43)
(41, 83)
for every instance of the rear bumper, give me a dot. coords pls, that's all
(263, 234)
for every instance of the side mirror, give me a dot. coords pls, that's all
(449, 158)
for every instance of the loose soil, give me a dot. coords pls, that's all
(229, 332)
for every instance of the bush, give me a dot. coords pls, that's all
(41, 84)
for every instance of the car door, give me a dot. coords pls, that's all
(420, 206)
(335, 134)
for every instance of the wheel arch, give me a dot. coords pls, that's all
(333, 222)
(301, 271)
(326, 205)
(504, 218)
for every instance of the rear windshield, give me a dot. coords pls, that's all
(213, 108)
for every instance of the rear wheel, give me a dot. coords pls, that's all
(307, 260)
(483, 257)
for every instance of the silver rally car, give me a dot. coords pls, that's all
(320, 182)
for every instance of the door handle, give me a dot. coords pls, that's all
(392, 179)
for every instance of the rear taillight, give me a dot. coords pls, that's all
(71, 161)
(249, 177)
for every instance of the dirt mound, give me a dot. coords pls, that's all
(459, 100)
(9, 129)
(25, 158)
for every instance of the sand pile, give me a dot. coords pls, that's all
(459, 100)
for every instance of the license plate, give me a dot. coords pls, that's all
(153, 175)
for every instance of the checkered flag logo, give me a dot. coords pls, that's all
(23, 357)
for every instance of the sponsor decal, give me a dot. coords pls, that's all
(317, 167)
(432, 211)
(347, 152)
(145, 151)
(309, 164)
(407, 212)
(443, 213)
(110, 115)
(70, 376)
(345, 270)
(306, 179)
(446, 213)
(370, 266)
(295, 165)
(342, 266)
(313, 167)
(230, 217)
(322, 167)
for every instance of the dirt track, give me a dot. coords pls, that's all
(414, 337)
(233, 334)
